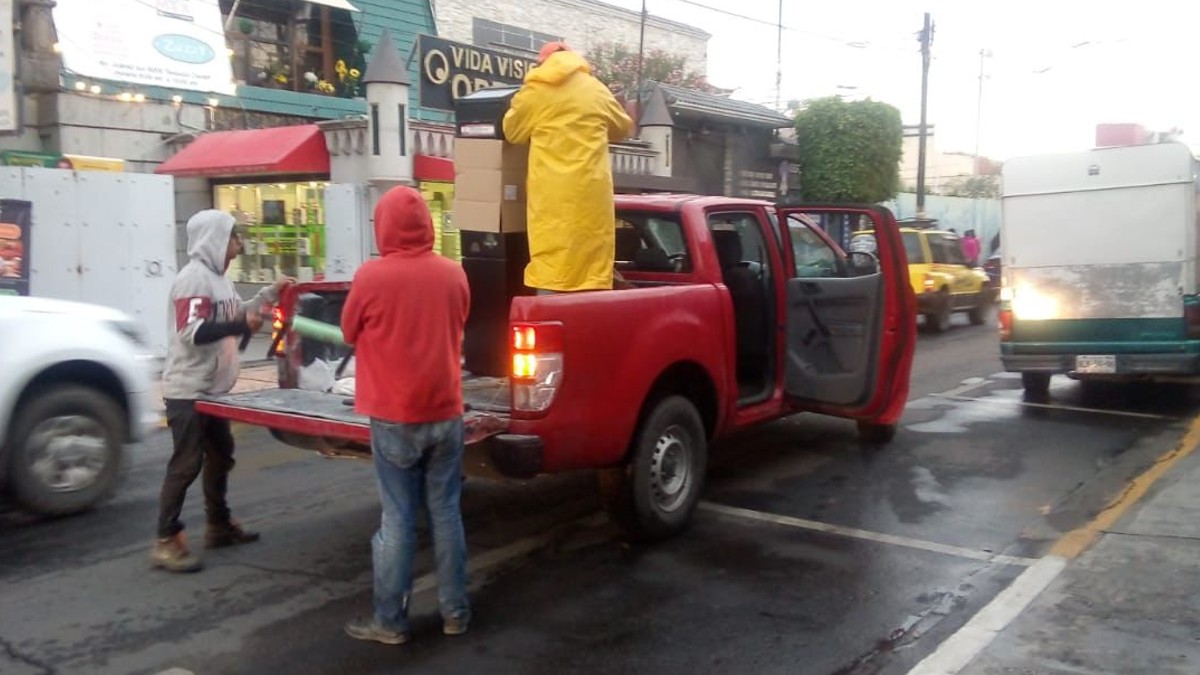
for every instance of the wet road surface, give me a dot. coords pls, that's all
(811, 553)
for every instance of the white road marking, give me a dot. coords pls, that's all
(479, 564)
(1052, 406)
(879, 537)
(967, 385)
(961, 648)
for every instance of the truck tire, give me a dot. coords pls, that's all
(654, 494)
(1036, 384)
(939, 318)
(872, 433)
(65, 450)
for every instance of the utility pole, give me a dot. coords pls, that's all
(926, 39)
(637, 122)
(779, 57)
(983, 54)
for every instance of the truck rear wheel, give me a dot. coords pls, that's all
(654, 494)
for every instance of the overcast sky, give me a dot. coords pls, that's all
(1058, 67)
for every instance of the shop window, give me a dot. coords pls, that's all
(282, 227)
(492, 34)
(295, 45)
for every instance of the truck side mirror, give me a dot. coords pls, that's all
(862, 264)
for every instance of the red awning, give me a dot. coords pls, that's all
(427, 167)
(274, 151)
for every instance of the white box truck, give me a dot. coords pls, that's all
(1099, 265)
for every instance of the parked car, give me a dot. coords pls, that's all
(741, 312)
(942, 279)
(991, 267)
(76, 388)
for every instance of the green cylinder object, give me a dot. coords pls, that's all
(318, 330)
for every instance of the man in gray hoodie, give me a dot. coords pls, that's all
(202, 360)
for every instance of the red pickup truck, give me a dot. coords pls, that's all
(741, 312)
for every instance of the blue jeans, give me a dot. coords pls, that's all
(415, 464)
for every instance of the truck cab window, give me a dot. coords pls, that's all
(912, 248)
(814, 257)
(946, 249)
(651, 243)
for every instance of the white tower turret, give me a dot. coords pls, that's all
(389, 140)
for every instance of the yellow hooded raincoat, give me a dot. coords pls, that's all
(568, 117)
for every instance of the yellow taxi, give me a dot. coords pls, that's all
(942, 280)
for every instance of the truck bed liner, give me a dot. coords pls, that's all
(322, 414)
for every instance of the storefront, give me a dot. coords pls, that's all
(273, 183)
(282, 227)
(435, 180)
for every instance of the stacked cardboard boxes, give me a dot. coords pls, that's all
(489, 185)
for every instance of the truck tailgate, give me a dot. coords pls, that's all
(318, 414)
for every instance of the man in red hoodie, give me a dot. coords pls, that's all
(405, 316)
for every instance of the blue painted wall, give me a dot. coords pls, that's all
(960, 213)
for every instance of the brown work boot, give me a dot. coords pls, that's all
(455, 625)
(172, 555)
(229, 534)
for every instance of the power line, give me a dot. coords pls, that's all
(854, 44)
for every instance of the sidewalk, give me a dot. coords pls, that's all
(1128, 605)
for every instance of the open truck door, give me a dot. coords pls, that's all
(850, 317)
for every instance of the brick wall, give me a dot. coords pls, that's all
(583, 23)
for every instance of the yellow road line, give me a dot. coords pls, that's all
(1078, 540)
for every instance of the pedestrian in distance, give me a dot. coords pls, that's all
(210, 319)
(405, 315)
(971, 248)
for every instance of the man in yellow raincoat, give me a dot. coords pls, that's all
(568, 117)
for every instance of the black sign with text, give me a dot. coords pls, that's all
(450, 70)
(15, 219)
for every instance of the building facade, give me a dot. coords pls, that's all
(523, 27)
(257, 108)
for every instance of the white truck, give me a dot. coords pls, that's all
(1099, 261)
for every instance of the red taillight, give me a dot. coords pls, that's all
(1191, 317)
(1006, 324)
(524, 338)
(537, 365)
(278, 321)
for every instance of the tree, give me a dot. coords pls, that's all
(977, 187)
(616, 65)
(849, 150)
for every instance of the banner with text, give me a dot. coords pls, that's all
(178, 44)
(451, 70)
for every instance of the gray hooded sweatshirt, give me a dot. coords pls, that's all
(201, 293)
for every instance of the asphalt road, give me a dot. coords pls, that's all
(810, 554)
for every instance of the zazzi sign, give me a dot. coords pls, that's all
(451, 70)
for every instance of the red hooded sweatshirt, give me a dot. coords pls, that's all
(405, 316)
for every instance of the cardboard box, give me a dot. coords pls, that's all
(489, 185)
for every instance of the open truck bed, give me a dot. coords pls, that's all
(331, 417)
